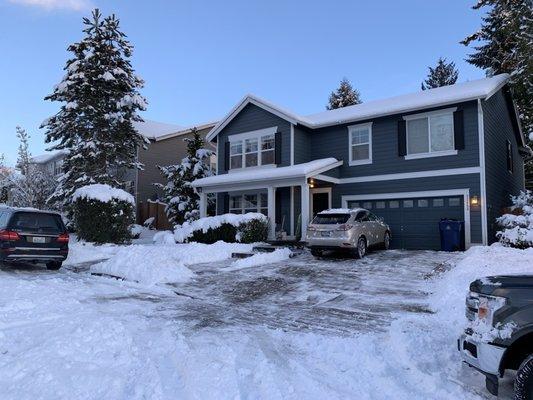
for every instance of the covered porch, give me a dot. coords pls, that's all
(289, 196)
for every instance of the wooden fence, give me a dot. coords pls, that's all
(155, 210)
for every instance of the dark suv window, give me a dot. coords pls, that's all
(362, 216)
(37, 223)
(3, 219)
(331, 219)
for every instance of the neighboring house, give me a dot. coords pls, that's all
(166, 147)
(450, 152)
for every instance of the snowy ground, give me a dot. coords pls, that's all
(292, 329)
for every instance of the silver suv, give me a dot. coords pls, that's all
(353, 230)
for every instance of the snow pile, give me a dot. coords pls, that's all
(136, 230)
(81, 252)
(261, 259)
(486, 333)
(152, 264)
(477, 262)
(184, 232)
(103, 193)
(164, 237)
(518, 229)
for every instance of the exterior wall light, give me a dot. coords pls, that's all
(474, 201)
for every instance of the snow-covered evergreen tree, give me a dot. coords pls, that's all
(183, 203)
(24, 156)
(100, 96)
(5, 180)
(517, 227)
(504, 44)
(344, 96)
(443, 74)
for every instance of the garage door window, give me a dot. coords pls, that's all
(367, 204)
(394, 204)
(454, 202)
(380, 204)
(438, 202)
(408, 204)
(422, 203)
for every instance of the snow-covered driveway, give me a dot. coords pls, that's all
(297, 329)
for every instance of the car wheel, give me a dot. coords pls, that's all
(316, 253)
(53, 265)
(360, 251)
(523, 383)
(386, 241)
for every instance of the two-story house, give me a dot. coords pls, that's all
(450, 152)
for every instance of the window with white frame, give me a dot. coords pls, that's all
(360, 137)
(430, 134)
(241, 204)
(253, 151)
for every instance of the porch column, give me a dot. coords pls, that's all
(203, 204)
(271, 191)
(304, 190)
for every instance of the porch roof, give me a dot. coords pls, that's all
(269, 175)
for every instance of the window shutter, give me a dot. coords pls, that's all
(226, 204)
(402, 139)
(459, 130)
(277, 148)
(226, 156)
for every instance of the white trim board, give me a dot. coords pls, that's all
(430, 193)
(410, 175)
(482, 177)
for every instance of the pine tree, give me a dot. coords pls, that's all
(24, 156)
(504, 44)
(344, 96)
(183, 203)
(443, 74)
(517, 226)
(100, 96)
(5, 180)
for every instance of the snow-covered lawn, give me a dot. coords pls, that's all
(381, 328)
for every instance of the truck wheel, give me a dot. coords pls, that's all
(53, 265)
(523, 383)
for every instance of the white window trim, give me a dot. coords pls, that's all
(257, 134)
(360, 162)
(243, 208)
(428, 116)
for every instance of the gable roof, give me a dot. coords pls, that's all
(459, 92)
(47, 157)
(157, 131)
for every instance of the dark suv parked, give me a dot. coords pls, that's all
(28, 235)
(500, 335)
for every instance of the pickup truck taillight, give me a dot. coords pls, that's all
(63, 238)
(9, 236)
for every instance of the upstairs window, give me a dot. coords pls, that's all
(360, 138)
(252, 149)
(430, 135)
(510, 164)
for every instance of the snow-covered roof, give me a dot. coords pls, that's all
(304, 170)
(159, 130)
(49, 156)
(459, 92)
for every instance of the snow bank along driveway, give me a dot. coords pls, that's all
(295, 329)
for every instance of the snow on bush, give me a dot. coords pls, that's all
(164, 237)
(518, 227)
(136, 230)
(102, 193)
(152, 264)
(261, 259)
(226, 227)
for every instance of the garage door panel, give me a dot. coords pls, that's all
(415, 221)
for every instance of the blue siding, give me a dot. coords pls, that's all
(252, 118)
(470, 181)
(500, 182)
(333, 142)
(302, 145)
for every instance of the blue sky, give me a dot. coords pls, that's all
(199, 58)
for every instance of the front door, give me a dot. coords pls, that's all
(320, 202)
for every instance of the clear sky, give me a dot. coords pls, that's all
(199, 58)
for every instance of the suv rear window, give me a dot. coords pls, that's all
(36, 223)
(331, 219)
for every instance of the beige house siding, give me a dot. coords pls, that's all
(164, 152)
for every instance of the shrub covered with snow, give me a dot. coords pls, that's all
(103, 214)
(135, 231)
(244, 228)
(517, 226)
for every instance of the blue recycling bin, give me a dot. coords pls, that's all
(452, 235)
